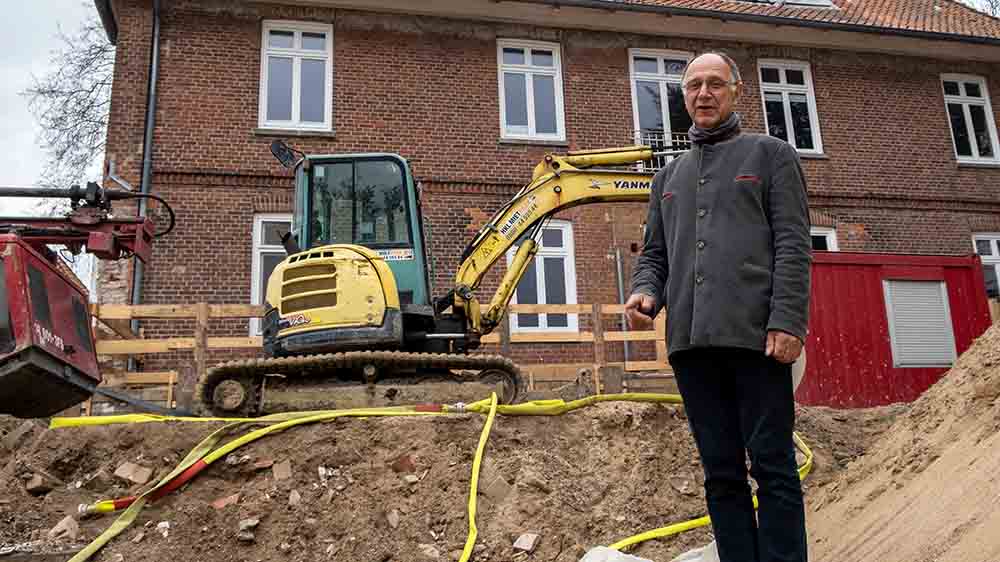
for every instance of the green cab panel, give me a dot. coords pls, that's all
(369, 200)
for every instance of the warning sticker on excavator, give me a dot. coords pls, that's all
(396, 254)
(292, 321)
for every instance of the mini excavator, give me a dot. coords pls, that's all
(349, 320)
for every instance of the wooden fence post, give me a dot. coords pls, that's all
(201, 339)
(597, 323)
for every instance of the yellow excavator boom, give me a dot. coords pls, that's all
(558, 183)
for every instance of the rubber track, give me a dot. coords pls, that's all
(250, 372)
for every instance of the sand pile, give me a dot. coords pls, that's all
(927, 490)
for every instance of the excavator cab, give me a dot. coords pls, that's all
(356, 259)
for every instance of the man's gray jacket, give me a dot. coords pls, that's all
(727, 248)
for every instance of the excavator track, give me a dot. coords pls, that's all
(355, 379)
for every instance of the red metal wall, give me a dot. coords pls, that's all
(849, 358)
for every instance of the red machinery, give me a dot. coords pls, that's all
(47, 354)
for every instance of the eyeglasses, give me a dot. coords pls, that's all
(715, 86)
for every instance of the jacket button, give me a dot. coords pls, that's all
(701, 244)
(702, 213)
(699, 279)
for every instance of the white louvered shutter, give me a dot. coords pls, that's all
(920, 329)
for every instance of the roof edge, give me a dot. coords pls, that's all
(107, 13)
(773, 20)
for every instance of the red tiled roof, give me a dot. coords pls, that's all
(948, 17)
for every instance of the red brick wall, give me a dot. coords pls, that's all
(427, 88)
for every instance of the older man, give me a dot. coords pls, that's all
(727, 252)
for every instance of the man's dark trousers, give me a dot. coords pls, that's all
(738, 402)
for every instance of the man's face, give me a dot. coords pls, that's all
(709, 94)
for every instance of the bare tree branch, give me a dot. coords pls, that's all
(71, 103)
(991, 7)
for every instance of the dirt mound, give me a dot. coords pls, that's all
(586, 478)
(927, 489)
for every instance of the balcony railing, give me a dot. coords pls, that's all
(661, 141)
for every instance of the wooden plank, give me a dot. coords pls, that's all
(140, 346)
(201, 340)
(645, 335)
(612, 309)
(551, 337)
(995, 310)
(236, 342)
(492, 337)
(170, 389)
(661, 336)
(648, 366)
(597, 324)
(122, 328)
(127, 312)
(551, 308)
(235, 311)
(151, 377)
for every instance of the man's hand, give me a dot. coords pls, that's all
(783, 346)
(639, 311)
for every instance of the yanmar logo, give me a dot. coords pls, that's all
(46, 338)
(633, 184)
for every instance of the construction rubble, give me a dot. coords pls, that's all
(900, 483)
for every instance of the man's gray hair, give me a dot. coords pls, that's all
(734, 70)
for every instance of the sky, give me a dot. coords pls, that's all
(27, 37)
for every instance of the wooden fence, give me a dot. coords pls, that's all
(601, 335)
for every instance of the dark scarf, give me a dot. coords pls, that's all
(725, 130)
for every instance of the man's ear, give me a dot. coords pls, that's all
(739, 91)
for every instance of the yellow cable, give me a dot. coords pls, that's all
(470, 540)
(279, 422)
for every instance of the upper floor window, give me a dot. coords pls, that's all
(531, 93)
(973, 130)
(296, 76)
(988, 248)
(658, 111)
(790, 104)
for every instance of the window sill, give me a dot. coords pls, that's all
(813, 156)
(536, 142)
(966, 164)
(268, 132)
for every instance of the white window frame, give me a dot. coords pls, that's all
(661, 77)
(897, 361)
(256, 267)
(530, 71)
(568, 251)
(965, 102)
(297, 55)
(994, 239)
(829, 233)
(786, 89)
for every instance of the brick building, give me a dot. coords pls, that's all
(889, 103)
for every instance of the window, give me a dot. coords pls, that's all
(920, 330)
(531, 97)
(359, 201)
(823, 239)
(267, 254)
(549, 279)
(988, 248)
(790, 104)
(658, 109)
(973, 130)
(296, 77)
